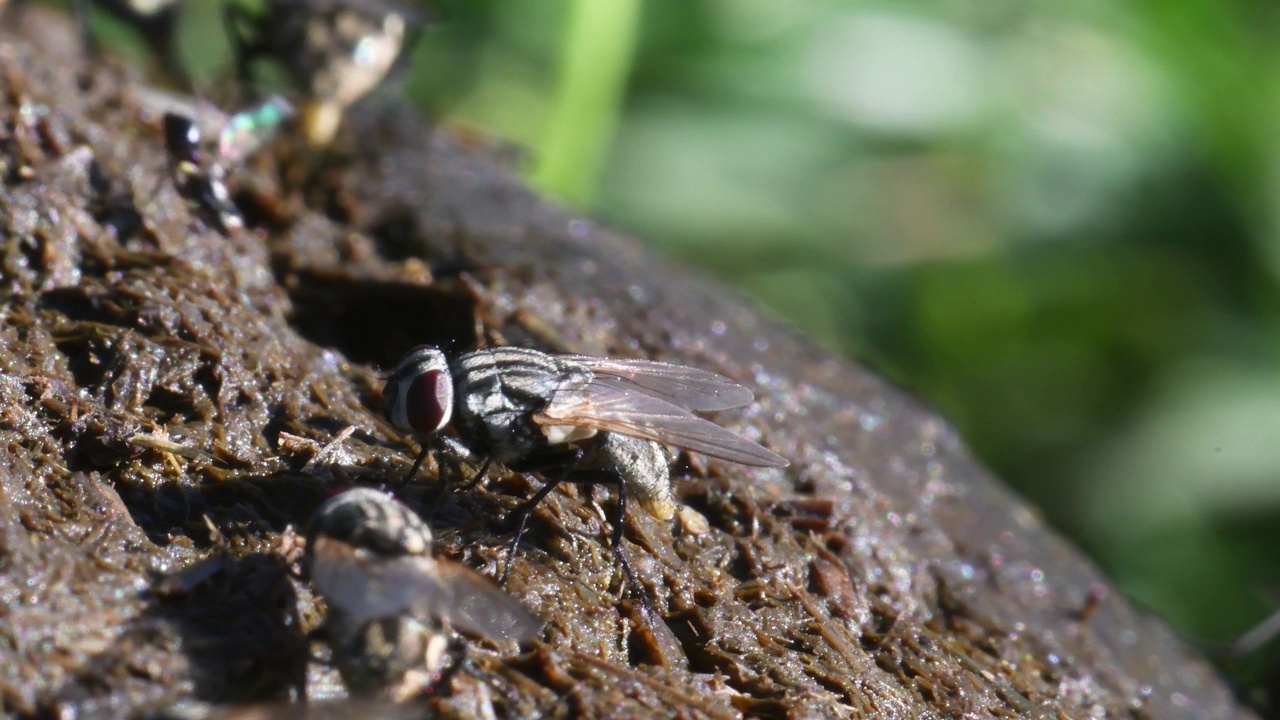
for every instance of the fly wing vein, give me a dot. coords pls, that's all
(474, 604)
(604, 406)
(683, 386)
(366, 586)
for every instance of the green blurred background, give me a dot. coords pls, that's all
(1058, 221)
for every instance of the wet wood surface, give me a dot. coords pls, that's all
(173, 398)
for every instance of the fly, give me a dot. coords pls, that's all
(322, 710)
(201, 172)
(333, 51)
(369, 556)
(573, 418)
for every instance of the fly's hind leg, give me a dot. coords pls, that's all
(565, 470)
(619, 528)
(606, 477)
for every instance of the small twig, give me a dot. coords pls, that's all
(1259, 635)
(329, 449)
(658, 687)
(159, 440)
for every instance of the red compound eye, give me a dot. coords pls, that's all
(419, 392)
(428, 401)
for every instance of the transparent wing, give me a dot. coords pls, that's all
(207, 116)
(478, 606)
(605, 406)
(244, 133)
(323, 710)
(687, 387)
(367, 586)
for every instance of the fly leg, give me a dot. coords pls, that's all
(556, 466)
(484, 468)
(619, 527)
(607, 477)
(590, 476)
(417, 465)
(455, 453)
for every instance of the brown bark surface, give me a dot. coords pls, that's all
(170, 394)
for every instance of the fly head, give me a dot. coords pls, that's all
(367, 519)
(419, 392)
(182, 138)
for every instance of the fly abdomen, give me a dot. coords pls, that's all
(395, 657)
(643, 466)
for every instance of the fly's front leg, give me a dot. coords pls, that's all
(417, 465)
(454, 453)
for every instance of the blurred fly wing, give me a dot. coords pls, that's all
(324, 710)
(156, 103)
(607, 407)
(473, 604)
(243, 134)
(686, 387)
(368, 586)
